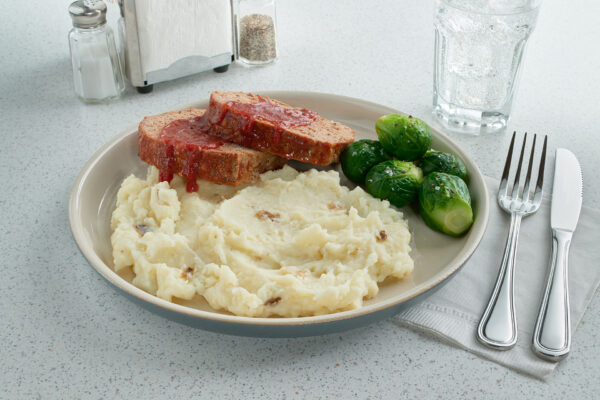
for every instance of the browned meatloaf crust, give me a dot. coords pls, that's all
(229, 164)
(319, 143)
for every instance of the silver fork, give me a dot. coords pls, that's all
(498, 325)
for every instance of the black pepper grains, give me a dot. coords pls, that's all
(257, 42)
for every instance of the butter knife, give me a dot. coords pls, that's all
(552, 335)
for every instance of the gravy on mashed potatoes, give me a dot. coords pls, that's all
(293, 244)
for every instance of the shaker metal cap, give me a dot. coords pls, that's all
(88, 13)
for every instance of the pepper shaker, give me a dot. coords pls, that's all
(97, 70)
(256, 28)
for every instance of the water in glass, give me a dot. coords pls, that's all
(479, 47)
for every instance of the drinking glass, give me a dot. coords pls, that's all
(479, 46)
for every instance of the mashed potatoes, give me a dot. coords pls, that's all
(293, 244)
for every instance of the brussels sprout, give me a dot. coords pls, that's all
(359, 157)
(437, 161)
(445, 204)
(405, 137)
(396, 181)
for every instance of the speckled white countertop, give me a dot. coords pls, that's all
(65, 333)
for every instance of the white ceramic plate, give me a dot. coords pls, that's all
(437, 257)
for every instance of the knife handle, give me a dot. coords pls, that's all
(552, 335)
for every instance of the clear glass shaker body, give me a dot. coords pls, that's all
(97, 71)
(122, 41)
(256, 32)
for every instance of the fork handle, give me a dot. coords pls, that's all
(498, 326)
(552, 335)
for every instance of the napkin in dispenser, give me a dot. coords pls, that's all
(165, 40)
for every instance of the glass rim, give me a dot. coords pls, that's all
(535, 4)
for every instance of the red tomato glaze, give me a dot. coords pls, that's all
(280, 117)
(185, 137)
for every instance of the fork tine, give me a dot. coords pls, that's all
(529, 167)
(502, 190)
(515, 191)
(540, 177)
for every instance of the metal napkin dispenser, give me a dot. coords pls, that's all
(168, 39)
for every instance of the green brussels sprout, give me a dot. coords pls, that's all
(359, 157)
(395, 181)
(437, 161)
(405, 137)
(445, 204)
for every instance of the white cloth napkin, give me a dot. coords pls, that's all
(453, 312)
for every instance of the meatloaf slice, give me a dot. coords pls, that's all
(213, 159)
(278, 128)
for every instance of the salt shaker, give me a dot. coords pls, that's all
(256, 28)
(97, 70)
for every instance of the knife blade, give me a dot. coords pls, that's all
(552, 335)
(566, 192)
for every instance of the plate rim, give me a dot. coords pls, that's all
(77, 231)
